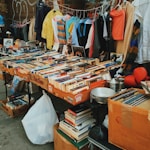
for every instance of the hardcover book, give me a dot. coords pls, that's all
(79, 109)
(78, 122)
(89, 122)
(71, 131)
(79, 144)
(67, 114)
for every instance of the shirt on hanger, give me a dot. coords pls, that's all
(47, 29)
(41, 12)
(69, 26)
(61, 32)
(118, 23)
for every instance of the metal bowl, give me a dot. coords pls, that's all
(101, 94)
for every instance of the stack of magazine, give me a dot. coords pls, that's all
(77, 123)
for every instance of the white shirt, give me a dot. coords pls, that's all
(142, 13)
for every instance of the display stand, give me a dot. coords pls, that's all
(20, 109)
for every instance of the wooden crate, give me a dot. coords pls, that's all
(39, 81)
(80, 97)
(22, 73)
(60, 143)
(129, 126)
(20, 110)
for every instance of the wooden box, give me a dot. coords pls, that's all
(22, 73)
(80, 97)
(20, 110)
(39, 80)
(60, 143)
(129, 126)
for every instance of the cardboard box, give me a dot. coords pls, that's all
(129, 126)
(60, 143)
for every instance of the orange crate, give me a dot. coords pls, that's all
(22, 73)
(78, 98)
(10, 71)
(50, 88)
(7, 70)
(129, 126)
(2, 68)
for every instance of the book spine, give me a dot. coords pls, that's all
(72, 138)
(72, 112)
(74, 132)
(78, 143)
(79, 121)
(75, 85)
(89, 122)
(83, 111)
(79, 89)
(77, 139)
(84, 75)
(77, 117)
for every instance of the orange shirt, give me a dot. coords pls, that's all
(118, 23)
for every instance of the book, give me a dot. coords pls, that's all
(78, 120)
(75, 123)
(79, 144)
(79, 51)
(79, 109)
(84, 75)
(75, 85)
(72, 132)
(79, 89)
(88, 122)
(69, 115)
(74, 72)
(16, 103)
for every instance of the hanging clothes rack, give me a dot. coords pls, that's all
(65, 9)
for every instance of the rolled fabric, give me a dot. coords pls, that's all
(140, 74)
(130, 81)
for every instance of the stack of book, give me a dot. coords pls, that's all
(77, 123)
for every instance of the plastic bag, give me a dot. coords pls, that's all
(39, 121)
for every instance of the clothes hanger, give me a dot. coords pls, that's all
(95, 15)
(118, 5)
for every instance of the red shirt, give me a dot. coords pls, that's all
(118, 23)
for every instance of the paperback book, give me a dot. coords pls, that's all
(73, 132)
(88, 122)
(76, 122)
